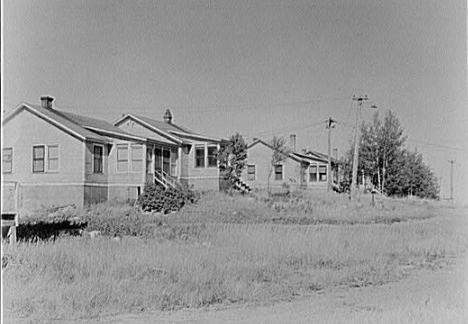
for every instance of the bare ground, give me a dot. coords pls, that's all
(429, 295)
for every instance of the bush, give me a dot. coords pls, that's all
(158, 199)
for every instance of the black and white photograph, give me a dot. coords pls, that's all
(234, 161)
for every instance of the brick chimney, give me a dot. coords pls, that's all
(292, 142)
(168, 116)
(46, 102)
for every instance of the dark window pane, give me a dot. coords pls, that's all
(38, 158)
(200, 157)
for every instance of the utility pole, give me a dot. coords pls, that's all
(451, 179)
(335, 154)
(330, 124)
(357, 138)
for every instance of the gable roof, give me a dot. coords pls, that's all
(298, 157)
(98, 125)
(81, 127)
(315, 158)
(259, 141)
(172, 131)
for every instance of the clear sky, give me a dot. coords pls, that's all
(260, 67)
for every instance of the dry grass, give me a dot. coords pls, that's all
(303, 208)
(220, 262)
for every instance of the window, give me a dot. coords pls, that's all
(7, 160)
(313, 173)
(251, 172)
(122, 158)
(322, 173)
(157, 159)
(174, 157)
(166, 161)
(149, 160)
(278, 172)
(97, 159)
(212, 161)
(137, 157)
(200, 157)
(52, 158)
(38, 158)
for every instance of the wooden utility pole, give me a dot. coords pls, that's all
(451, 179)
(330, 124)
(357, 139)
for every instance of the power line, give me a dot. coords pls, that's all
(436, 145)
(213, 108)
(284, 129)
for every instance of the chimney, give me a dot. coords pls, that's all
(47, 102)
(292, 142)
(168, 116)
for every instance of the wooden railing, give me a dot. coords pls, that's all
(165, 179)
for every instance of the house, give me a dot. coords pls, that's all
(177, 152)
(60, 158)
(308, 170)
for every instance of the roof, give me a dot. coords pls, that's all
(97, 125)
(81, 127)
(306, 158)
(319, 157)
(175, 132)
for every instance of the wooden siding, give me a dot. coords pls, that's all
(26, 130)
(260, 156)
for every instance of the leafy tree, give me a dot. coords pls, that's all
(280, 154)
(394, 169)
(232, 157)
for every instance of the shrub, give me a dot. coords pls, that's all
(158, 199)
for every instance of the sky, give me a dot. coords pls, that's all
(260, 68)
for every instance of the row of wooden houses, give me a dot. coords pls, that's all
(60, 158)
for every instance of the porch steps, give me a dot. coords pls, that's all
(165, 180)
(242, 186)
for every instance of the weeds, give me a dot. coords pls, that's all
(223, 250)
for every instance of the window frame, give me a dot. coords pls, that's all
(101, 171)
(212, 157)
(200, 158)
(314, 165)
(122, 146)
(276, 173)
(173, 161)
(249, 173)
(149, 159)
(321, 173)
(10, 162)
(136, 161)
(48, 159)
(34, 159)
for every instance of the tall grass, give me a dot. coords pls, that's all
(220, 263)
(304, 208)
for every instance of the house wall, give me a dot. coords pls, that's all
(260, 156)
(202, 178)
(90, 176)
(48, 188)
(124, 185)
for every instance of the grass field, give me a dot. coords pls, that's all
(229, 249)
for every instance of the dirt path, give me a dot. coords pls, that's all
(426, 296)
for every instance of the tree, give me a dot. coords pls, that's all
(280, 154)
(394, 170)
(232, 157)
